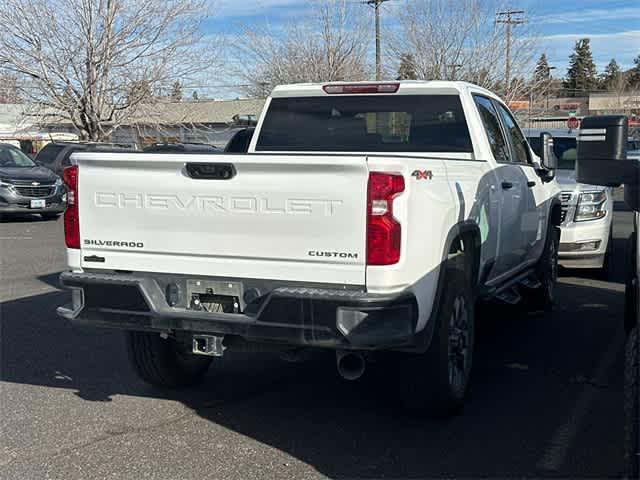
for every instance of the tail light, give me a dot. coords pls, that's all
(383, 231)
(71, 217)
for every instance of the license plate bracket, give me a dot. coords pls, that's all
(215, 296)
(38, 203)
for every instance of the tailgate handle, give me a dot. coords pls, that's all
(211, 171)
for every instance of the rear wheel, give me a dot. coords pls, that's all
(164, 362)
(542, 297)
(435, 383)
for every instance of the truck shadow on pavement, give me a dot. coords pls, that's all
(530, 372)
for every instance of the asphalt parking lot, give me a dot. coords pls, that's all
(546, 396)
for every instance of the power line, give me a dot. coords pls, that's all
(509, 17)
(376, 4)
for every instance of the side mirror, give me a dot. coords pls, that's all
(549, 160)
(602, 151)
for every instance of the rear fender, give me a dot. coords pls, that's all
(469, 231)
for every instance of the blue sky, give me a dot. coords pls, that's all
(612, 25)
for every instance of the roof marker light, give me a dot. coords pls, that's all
(354, 88)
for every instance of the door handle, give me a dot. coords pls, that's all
(531, 184)
(211, 171)
(507, 185)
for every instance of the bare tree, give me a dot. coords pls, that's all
(460, 40)
(94, 62)
(8, 88)
(329, 44)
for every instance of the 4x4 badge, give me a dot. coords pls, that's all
(422, 174)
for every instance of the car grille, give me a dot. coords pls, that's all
(565, 197)
(30, 191)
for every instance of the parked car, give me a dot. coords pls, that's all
(56, 155)
(603, 160)
(587, 210)
(26, 187)
(240, 141)
(365, 218)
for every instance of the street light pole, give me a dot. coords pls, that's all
(548, 86)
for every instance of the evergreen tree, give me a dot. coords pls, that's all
(176, 92)
(541, 74)
(581, 75)
(633, 75)
(612, 75)
(407, 69)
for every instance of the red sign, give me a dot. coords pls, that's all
(573, 123)
(569, 106)
(518, 105)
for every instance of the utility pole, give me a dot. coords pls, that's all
(548, 86)
(509, 18)
(376, 4)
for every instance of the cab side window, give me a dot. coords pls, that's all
(492, 128)
(518, 142)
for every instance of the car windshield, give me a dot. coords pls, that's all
(565, 149)
(12, 157)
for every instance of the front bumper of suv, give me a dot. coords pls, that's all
(295, 315)
(583, 244)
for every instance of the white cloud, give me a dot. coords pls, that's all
(623, 46)
(245, 8)
(590, 15)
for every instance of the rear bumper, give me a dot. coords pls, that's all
(304, 316)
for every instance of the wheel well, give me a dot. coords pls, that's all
(468, 242)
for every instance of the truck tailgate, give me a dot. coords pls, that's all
(281, 217)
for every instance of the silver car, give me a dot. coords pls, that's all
(26, 187)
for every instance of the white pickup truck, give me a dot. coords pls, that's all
(365, 217)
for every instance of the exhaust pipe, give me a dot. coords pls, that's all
(350, 364)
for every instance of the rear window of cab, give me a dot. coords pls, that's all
(366, 123)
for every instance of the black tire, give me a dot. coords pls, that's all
(435, 383)
(49, 216)
(632, 404)
(164, 362)
(543, 297)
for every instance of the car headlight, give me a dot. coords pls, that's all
(591, 206)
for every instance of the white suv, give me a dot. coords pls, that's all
(587, 210)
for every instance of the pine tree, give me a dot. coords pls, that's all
(407, 69)
(581, 75)
(611, 76)
(541, 74)
(633, 75)
(176, 92)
